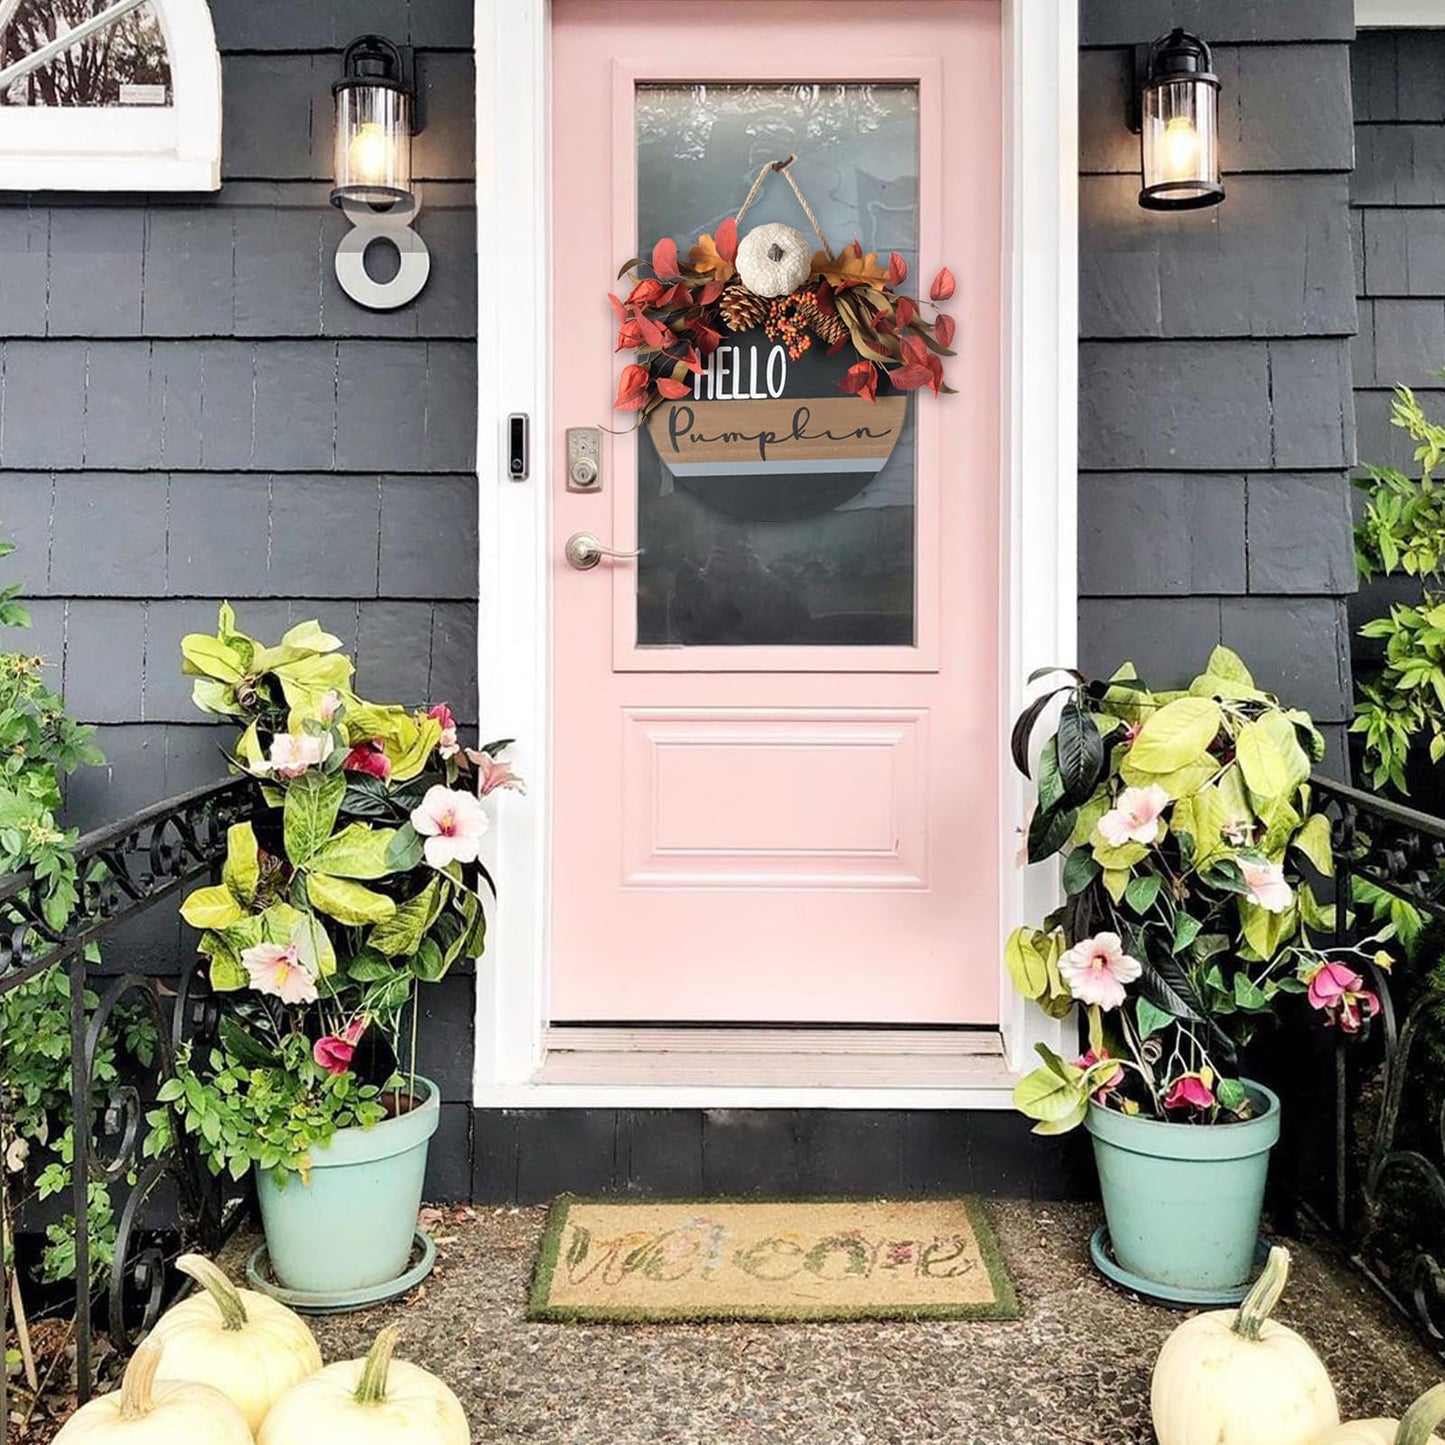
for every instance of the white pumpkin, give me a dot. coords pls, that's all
(774, 260)
(246, 1344)
(1237, 1378)
(143, 1412)
(1413, 1429)
(375, 1401)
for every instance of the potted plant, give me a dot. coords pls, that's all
(358, 881)
(1188, 843)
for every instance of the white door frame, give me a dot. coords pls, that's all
(1039, 291)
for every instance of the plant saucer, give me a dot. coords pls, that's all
(306, 1302)
(1101, 1251)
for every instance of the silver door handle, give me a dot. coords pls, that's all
(583, 551)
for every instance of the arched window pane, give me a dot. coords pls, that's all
(122, 66)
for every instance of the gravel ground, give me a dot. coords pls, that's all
(1074, 1370)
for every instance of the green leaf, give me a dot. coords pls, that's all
(312, 803)
(1026, 964)
(213, 907)
(1141, 893)
(357, 851)
(401, 934)
(1315, 842)
(1270, 757)
(1176, 736)
(1248, 994)
(1230, 666)
(1231, 1094)
(1080, 870)
(369, 966)
(348, 902)
(241, 872)
(1151, 1019)
(404, 852)
(1048, 832)
(1116, 880)
(1080, 752)
(428, 963)
(206, 656)
(1053, 1093)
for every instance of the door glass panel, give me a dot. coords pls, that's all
(772, 509)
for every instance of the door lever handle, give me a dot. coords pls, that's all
(583, 551)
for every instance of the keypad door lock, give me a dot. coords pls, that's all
(584, 459)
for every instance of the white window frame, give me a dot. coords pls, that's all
(1400, 14)
(163, 148)
(1039, 297)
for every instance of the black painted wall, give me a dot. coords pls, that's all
(1216, 423)
(190, 409)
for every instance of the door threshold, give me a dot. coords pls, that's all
(689, 1060)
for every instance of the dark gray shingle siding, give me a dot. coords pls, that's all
(1217, 420)
(191, 409)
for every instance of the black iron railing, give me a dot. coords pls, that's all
(124, 870)
(1387, 1194)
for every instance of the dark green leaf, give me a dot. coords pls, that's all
(1048, 832)
(1080, 752)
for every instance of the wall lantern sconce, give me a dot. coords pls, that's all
(1174, 108)
(376, 117)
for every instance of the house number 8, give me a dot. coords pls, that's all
(369, 227)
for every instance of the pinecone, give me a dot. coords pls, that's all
(828, 326)
(742, 309)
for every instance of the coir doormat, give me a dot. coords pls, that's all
(752, 1260)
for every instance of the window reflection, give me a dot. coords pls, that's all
(125, 64)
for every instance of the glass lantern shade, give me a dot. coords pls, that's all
(374, 123)
(1179, 127)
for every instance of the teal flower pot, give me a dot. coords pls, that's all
(352, 1227)
(1183, 1201)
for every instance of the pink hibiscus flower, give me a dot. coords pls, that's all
(1135, 817)
(278, 969)
(334, 1052)
(492, 775)
(452, 822)
(1189, 1091)
(1266, 884)
(447, 745)
(1097, 969)
(369, 758)
(1338, 992)
(293, 753)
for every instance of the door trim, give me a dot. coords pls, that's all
(1039, 291)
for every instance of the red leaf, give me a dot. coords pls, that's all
(823, 298)
(861, 379)
(943, 285)
(710, 293)
(707, 338)
(617, 306)
(910, 378)
(671, 388)
(664, 259)
(914, 350)
(652, 333)
(897, 269)
(645, 293)
(725, 238)
(680, 295)
(906, 309)
(943, 330)
(632, 388)
(692, 360)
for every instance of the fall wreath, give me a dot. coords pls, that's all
(678, 311)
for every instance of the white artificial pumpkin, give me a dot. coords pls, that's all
(1413, 1429)
(375, 1401)
(774, 260)
(246, 1344)
(1237, 1378)
(144, 1412)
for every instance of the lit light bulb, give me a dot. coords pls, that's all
(369, 154)
(1180, 149)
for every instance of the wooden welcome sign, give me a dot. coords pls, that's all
(749, 425)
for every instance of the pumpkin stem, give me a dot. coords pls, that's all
(140, 1375)
(215, 1283)
(1419, 1421)
(372, 1389)
(1264, 1295)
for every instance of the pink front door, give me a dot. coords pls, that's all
(777, 732)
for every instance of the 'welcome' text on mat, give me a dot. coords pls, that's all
(754, 1260)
